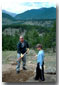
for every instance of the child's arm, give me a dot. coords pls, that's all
(41, 59)
(41, 62)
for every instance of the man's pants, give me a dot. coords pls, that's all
(18, 62)
(39, 72)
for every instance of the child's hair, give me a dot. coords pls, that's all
(39, 46)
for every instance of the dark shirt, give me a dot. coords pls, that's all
(21, 47)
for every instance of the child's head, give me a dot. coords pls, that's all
(39, 46)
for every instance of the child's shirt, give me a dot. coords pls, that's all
(40, 57)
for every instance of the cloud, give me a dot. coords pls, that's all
(18, 7)
(26, 4)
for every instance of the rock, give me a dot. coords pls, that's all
(50, 70)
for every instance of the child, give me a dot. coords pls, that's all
(40, 64)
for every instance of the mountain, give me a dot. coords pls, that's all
(42, 13)
(9, 13)
(4, 15)
(34, 14)
(7, 18)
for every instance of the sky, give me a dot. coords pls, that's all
(16, 6)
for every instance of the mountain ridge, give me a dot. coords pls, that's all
(9, 13)
(30, 15)
(42, 13)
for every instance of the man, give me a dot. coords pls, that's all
(40, 64)
(22, 47)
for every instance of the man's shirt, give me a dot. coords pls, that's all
(21, 47)
(40, 57)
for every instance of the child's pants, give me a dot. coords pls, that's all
(18, 62)
(39, 72)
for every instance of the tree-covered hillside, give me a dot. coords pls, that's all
(33, 34)
(4, 15)
(35, 14)
(6, 18)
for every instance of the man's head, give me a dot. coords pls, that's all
(21, 39)
(39, 46)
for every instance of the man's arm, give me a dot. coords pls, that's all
(18, 48)
(27, 47)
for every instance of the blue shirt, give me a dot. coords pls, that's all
(40, 57)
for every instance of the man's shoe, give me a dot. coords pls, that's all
(24, 68)
(17, 72)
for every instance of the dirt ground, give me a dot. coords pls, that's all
(9, 68)
(9, 75)
(13, 77)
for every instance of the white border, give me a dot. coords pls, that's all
(57, 3)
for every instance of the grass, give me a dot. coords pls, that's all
(50, 58)
(8, 54)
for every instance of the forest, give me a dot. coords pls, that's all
(34, 35)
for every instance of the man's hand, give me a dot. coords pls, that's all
(22, 55)
(27, 50)
(18, 59)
